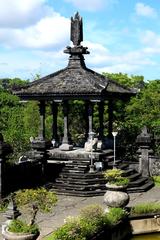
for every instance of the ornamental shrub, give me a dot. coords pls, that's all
(90, 221)
(115, 176)
(145, 208)
(19, 226)
(40, 197)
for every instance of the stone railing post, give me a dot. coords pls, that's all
(144, 141)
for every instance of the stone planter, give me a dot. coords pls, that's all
(116, 196)
(18, 236)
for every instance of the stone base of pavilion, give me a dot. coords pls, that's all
(79, 154)
(75, 178)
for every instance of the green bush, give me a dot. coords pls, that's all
(156, 180)
(94, 212)
(40, 197)
(71, 230)
(90, 221)
(114, 216)
(145, 208)
(19, 226)
(115, 176)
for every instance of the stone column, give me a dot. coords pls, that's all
(110, 118)
(101, 125)
(54, 125)
(86, 120)
(90, 118)
(42, 120)
(65, 143)
(144, 142)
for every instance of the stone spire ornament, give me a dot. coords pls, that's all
(76, 29)
(76, 36)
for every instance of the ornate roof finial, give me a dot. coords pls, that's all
(76, 29)
(76, 37)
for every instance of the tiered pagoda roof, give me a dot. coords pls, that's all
(76, 80)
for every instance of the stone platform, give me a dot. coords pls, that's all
(77, 154)
(74, 179)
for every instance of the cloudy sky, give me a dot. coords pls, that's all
(122, 36)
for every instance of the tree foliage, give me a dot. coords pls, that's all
(18, 120)
(142, 110)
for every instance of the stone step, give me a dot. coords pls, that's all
(109, 158)
(74, 171)
(134, 176)
(81, 181)
(123, 166)
(78, 163)
(79, 175)
(143, 188)
(138, 182)
(97, 192)
(128, 172)
(71, 166)
(117, 163)
(68, 186)
(108, 152)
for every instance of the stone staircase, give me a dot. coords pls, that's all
(76, 180)
(137, 183)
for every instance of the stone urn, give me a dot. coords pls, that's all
(116, 196)
(18, 236)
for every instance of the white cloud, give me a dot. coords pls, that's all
(121, 67)
(18, 13)
(103, 60)
(91, 5)
(150, 38)
(145, 10)
(49, 32)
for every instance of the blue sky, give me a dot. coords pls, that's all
(121, 35)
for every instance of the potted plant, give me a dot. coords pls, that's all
(20, 230)
(27, 200)
(116, 195)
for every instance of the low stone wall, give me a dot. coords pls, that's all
(120, 231)
(145, 224)
(28, 174)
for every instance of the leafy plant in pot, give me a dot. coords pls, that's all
(27, 199)
(115, 177)
(115, 195)
(21, 230)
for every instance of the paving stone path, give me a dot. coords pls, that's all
(70, 206)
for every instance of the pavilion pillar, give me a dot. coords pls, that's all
(54, 124)
(42, 119)
(101, 120)
(110, 118)
(90, 118)
(101, 125)
(65, 143)
(86, 120)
